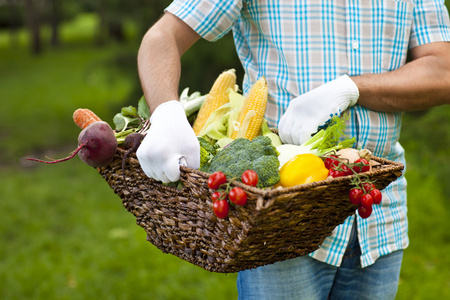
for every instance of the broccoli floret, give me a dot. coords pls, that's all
(264, 167)
(239, 144)
(242, 154)
(265, 145)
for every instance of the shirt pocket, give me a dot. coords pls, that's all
(396, 22)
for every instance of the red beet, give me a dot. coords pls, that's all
(97, 146)
(100, 144)
(132, 141)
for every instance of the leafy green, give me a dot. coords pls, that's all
(221, 123)
(143, 109)
(324, 141)
(126, 118)
(327, 140)
(129, 111)
(131, 117)
(265, 130)
(207, 151)
(191, 103)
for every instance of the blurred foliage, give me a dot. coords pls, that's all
(127, 22)
(427, 135)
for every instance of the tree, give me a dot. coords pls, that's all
(54, 20)
(14, 21)
(33, 22)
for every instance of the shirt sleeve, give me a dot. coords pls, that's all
(211, 19)
(431, 23)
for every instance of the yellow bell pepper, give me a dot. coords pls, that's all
(302, 168)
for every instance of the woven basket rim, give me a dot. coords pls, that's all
(388, 166)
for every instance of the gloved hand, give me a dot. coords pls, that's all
(169, 143)
(306, 113)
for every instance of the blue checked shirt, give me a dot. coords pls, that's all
(300, 45)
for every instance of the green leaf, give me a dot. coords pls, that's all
(214, 127)
(122, 122)
(129, 111)
(119, 121)
(131, 122)
(143, 110)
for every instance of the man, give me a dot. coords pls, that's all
(320, 58)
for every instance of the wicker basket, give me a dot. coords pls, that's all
(274, 225)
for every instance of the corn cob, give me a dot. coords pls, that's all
(217, 96)
(253, 108)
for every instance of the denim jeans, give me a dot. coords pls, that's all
(307, 278)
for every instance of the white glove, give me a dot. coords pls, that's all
(169, 143)
(306, 113)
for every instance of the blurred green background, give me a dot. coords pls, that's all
(63, 232)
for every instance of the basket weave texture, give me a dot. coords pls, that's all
(275, 224)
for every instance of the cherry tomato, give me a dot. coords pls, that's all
(218, 196)
(364, 212)
(250, 178)
(366, 200)
(346, 170)
(330, 161)
(221, 208)
(332, 172)
(368, 186)
(238, 196)
(216, 179)
(376, 195)
(335, 173)
(340, 171)
(355, 196)
(365, 165)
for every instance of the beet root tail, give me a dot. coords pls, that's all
(72, 155)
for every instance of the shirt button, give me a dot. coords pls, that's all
(355, 44)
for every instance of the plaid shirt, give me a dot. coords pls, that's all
(300, 45)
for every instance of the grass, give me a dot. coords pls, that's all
(65, 235)
(426, 263)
